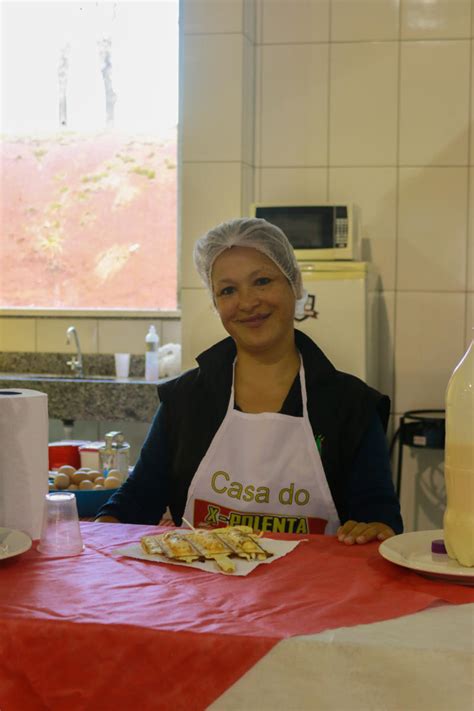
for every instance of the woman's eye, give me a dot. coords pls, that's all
(226, 291)
(262, 281)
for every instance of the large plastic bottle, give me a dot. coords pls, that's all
(459, 462)
(151, 354)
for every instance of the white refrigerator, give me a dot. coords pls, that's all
(341, 315)
(342, 293)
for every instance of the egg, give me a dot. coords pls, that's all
(72, 487)
(117, 474)
(112, 482)
(86, 484)
(93, 474)
(66, 469)
(100, 481)
(99, 487)
(61, 481)
(78, 476)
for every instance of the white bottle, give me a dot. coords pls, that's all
(151, 354)
(459, 462)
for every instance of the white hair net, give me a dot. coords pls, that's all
(248, 232)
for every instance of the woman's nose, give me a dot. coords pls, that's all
(248, 299)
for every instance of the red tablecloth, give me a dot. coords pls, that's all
(97, 631)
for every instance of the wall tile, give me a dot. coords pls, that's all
(297, 185)
(200, 323)
(127, 336)
(470, 238)
(212, 104)
(437, 19)
(248, 103)
(429, 341)
(386, 342)
(364, 20)
(363, 103)
(51, 335)
(471, 127)
(294, 115)
(374, 193)
(17, 334)
(211, 193)
(434, 83)
(469, 335)
(432, 229)
(211, 16)
(423, 493)
(170, 331)
(282, 24)
(250, 19)
(248, 188)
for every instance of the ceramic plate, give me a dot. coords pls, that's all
(413, 550)
(16, 542)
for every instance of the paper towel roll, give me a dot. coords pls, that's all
(23, 459)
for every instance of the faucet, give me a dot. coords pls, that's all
(76, 362)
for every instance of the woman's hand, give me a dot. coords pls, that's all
(106, 519)
(353, 532)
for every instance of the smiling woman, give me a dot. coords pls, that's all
(265, 432)
(89, 182)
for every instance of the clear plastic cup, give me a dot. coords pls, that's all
(60, 532)
(122, 365)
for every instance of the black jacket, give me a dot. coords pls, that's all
(342, 410)
(340, 407)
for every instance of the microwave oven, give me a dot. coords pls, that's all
(316, 232)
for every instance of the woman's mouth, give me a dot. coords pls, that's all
(254, 321)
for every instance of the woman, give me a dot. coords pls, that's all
(265, 432)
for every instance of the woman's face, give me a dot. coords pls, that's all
(254, 299)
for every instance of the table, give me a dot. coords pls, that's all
(327, 626)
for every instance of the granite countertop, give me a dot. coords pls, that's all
(97, 395)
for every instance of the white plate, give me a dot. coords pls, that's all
(413, 550)
(16, 541)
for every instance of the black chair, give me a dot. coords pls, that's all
(424, 429)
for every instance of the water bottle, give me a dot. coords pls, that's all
(151, 354)
(459, 462)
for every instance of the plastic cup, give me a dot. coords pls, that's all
(122, 365)
(60, 532)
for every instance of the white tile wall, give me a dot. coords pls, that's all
(212, 97)
(429, 342)
(374, 191)
(436, 19)
(293, 95)
(122, 336)
(51, 335)
(281, 21)
(364, 20)
(294, 184)
(470, 240)
(363, 103)
(212, 16)
(17, 334)
(432, 234)
(386, 337)
(211, 193)
(434, 102)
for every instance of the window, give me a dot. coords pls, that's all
(89, 155)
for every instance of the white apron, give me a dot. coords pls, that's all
(263, 470)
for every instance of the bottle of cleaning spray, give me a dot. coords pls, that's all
(151, 354)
